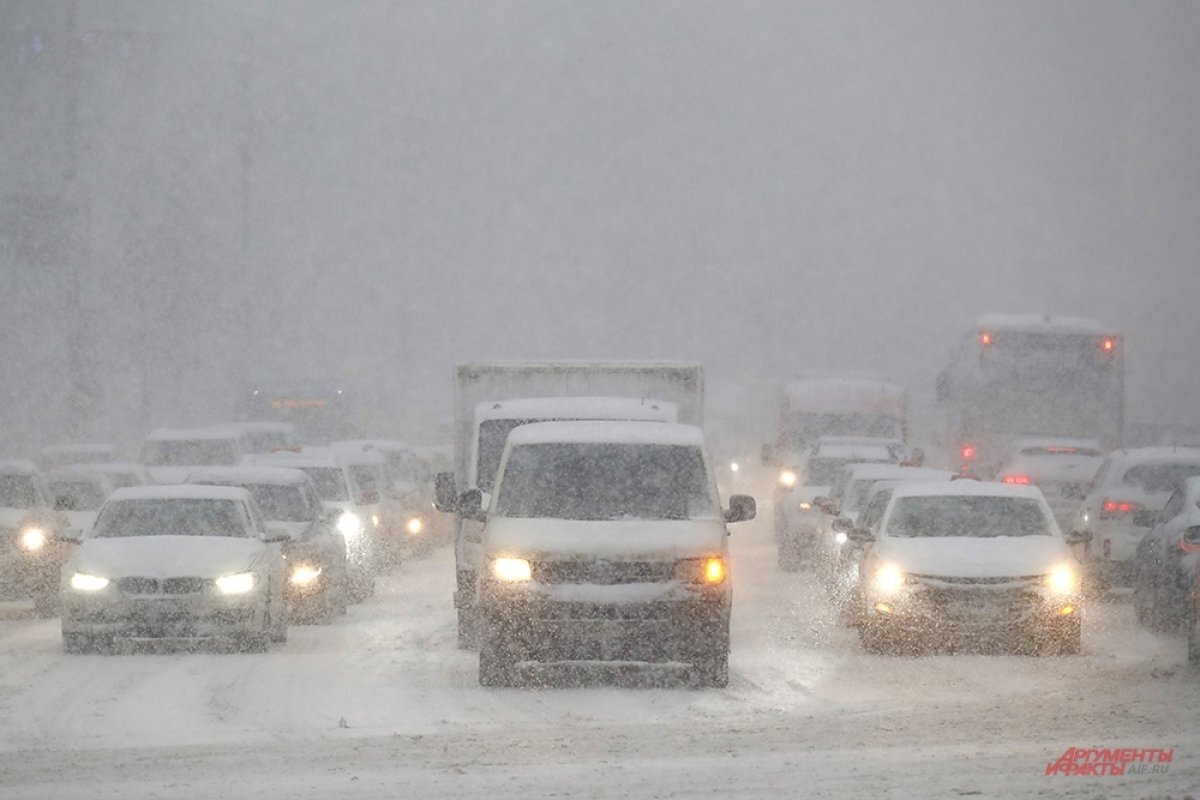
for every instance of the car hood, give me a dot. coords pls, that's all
(633, 539)
(975, 557)
(167, 556)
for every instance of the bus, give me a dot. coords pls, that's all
(1011, 377)
(319, 409)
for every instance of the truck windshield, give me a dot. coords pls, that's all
(804, 428)
(605, 481)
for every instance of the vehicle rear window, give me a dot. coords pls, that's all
(280, 502)
(171, 517)
(824, 471)
(76, 495)
(605, 481)
(967, 516)
(331, 483)
(1161, 477)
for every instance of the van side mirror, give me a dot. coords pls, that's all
(470, 504)
(741, 508)
(860, 536)
(445, 492)
(1078, 537)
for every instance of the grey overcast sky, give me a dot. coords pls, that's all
(376, 190)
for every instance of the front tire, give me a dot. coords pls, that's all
(468, 637)
(1066, 638)
(46, 604)
(497, 663)
(76, 644)
(712, 671)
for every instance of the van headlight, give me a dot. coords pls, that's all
(512, 570)
(1063, 580)
(349, 524)
(33, 539)
(239, 583)
(83, 582)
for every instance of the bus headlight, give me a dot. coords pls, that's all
(512, 570)
(33, 539)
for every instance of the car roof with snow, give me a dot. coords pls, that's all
(599, 408)
(75, 473)
(91, 448)
(111, 467)
(608, 431)
(374, 444)
(966, 488)
(18, 467)
(261, 426)
(280, 476)
(1065, 442)
(290, 459)
(210, 432)
(181, 491)
(1034, 323)
(894, 471)
(854, 451)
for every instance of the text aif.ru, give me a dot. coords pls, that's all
(1118, 761)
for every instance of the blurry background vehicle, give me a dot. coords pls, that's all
(1130, 488)
(1062, 468)
(317, 584)
(121, 474)
(1164, 562)
(170, 454)
(33, 546)
(320, 409)
(258, 436)
(62, 455)
(78, 493)
(1018, 376)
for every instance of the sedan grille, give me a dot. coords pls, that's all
(138, 585)
(605, 573)
(183, 585)
(153, 586)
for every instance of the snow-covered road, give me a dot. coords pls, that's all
(382, 704)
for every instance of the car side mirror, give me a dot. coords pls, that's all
(276, 535)
(742, 507)
(69, 535)
(860, 535)
(1145, 519)
(1078, 537)
(841, 525)
(445, 492)
(470, 504)
(768, 455)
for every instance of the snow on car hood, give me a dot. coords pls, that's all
(166, 556)
(633, 539)
(974, 557)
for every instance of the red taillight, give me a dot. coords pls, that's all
(1020, 480)
(1189, 547)
(985, 338)
(1117, 508)
(1108, 344)
(968, 452)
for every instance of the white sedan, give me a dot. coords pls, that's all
(176, 564)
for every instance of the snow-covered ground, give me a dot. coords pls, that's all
(382, 704)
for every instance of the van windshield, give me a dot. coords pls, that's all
(605, 481)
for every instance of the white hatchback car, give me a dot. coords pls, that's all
(178, 564)
(969, 560)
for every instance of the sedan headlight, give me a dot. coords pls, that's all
(1063, 580)
(83, 582)
(239, 583)
(512, 570)
(889, 579)
(33, 539)
(349, 525)
(710, 571)
(414, 525)
(304, 574)
(787, 478)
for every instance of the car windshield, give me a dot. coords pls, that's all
(822, 471)
(190, 453)
(1158, 478)
(280, 502)
(856, 495)
(968, 516)
(171, 517)
(76, 495)
(366, 478)
(18, 491)
(404, 466)
(603, 481)
(331, 483)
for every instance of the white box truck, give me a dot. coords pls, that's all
(493, 398)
